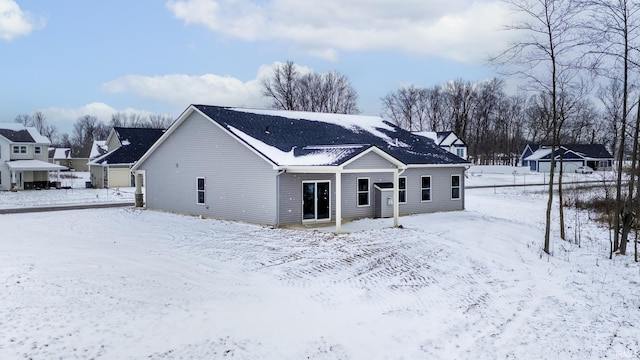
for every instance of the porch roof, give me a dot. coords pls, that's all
(33, 165)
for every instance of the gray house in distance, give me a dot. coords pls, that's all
(291, 168)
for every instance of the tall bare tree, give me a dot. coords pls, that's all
(288, 89)
(614, 30)
(547, 55)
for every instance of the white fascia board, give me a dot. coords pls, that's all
(381, 153)
(185, 115)
(420, 166)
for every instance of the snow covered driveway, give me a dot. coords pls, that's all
(131, 284)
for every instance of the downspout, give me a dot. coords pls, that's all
(338, 201)
(282, 171)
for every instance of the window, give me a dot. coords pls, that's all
(402, 190)
(426, 188)
(37, 150)
(363, 191)
(460, 152)
(19, 149)
(455, 187)
(200, 190)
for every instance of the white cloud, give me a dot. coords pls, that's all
(180, 90)
(14, 22)
(464, 30)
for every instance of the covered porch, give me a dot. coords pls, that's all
(32, 174)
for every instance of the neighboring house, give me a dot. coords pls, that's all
(61, 156)
(448, 141)
(538, 157)
(290, 168)
(98, 148)
(24, 158)
(124, 148)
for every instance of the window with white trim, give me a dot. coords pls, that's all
(455, 187)
(426, 188)
(460, 152)
(37, 150)
(200, 190)
(363, 191)
(19, 149)
(402, 190)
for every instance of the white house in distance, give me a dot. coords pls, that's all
(296, 168)
(447, 140)
(24, 157)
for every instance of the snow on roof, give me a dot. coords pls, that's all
(306, 138)
(428, 134)
(539, 154)
(372, 124)
(308, 156)
(33, 165)
(31, 131)
(62, 153)
(98, 148)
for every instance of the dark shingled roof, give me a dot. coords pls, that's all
(594, 151)
(301, 134)
(21, 136)
(135, 142)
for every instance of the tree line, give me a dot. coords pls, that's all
(88, 128)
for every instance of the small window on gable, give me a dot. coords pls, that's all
(426, 188)
(37, 150)
(455, 187)
(402, 190)
(200, 190)
(363, 191)
(460, 152)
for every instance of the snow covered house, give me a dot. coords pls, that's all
(447, 140)
(24, 158)
(538, 157)
(290, 168)
(124, 147)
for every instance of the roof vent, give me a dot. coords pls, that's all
(266, 131)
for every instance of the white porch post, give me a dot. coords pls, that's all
(338, 201)
(138, 176)
(14, 183)
(396, 197)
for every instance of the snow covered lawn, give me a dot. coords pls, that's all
(133, 284)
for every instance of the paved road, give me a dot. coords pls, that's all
(65, 207)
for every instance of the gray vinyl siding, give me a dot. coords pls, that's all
(370, 161)
(350, 208)
(291, 193)
(440, 190)
(239, 185)
(291, 196)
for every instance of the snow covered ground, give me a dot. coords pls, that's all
(74, 192)
(131, 284)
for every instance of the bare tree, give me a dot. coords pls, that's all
(160, 121)
(87, 129)
(407, 108)
(547, 55)
(39, 121)
(614, 30)
(289, 90)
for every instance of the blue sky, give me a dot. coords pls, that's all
(71, 58)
